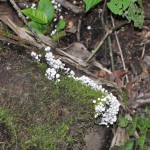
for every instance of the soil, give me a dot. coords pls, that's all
(13, 77)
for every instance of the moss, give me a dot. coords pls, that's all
(47, 115)
(7, 128)
(46, 137)
(67, 103)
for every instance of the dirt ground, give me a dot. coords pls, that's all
(19, 77)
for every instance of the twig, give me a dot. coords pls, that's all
(79, 29)
(111, 53)
(70, 6)
(143, 51)
(16, 43)
(99, 45)
(143, 101)
(80, 65)
(69, 60)
(26, 35)
(144, 43)
(103, 12)
(24, 20)
(109, 31)
(100, 66)
(120, 50)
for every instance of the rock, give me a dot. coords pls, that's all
(96, 139)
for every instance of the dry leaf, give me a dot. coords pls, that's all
(70, 24)
(119, 73)
(71, 27)
(133, 90)
(116, 76)
(120, 137)
(78, 50)
(100, 73)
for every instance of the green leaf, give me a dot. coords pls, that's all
(122, 122)
(140, 141)
(128, 117)
(61, 25)
(127, 146)
(131, 9)
(36, 15)
(130, 129)
(39, 28)
(47, 7)
(144, 122)
(90, 3)
(58, 35)
(136, 14)
(118, 6)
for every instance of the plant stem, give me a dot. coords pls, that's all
(109, 31)
(120, 50)
(111, 53)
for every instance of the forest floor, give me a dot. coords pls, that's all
(36, 113)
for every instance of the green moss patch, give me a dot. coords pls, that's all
(48, 115)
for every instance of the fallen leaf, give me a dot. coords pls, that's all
(120, 137)
(78, 50)
(120, 73)
(129, 88)
(70, 24)
(117, 75)
(100, 73)
(133, 90)
(71, 27)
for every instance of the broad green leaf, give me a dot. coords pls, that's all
(118, 6)
(126, 4)
(39, 28)
(140, 3)
(61, 25)
(131, 9)
(58, 35)
(135, 14)
(36, 15)
(47, 7)
(90, 3)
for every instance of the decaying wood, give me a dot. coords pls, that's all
(70, 60)
(18, 43)
(19, 31)
(65, 57)
(27, 35)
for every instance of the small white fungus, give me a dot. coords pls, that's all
(107, 107)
